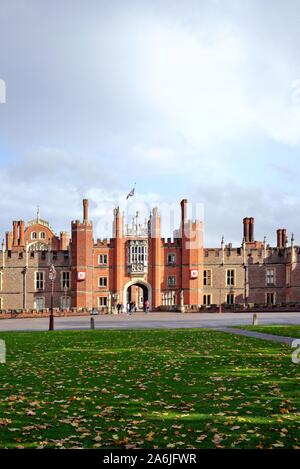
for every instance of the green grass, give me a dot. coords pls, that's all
(288, 331)
(147, 389)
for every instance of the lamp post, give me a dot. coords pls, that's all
(52, 277)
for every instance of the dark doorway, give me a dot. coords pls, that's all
(137, 293)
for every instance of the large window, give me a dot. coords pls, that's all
(39, 280)
(207, 278)
(137, 256)
(102, 282)
(270, 277)
(102, 301)
(230, 277)
(207, 300)
(102, 259)
(230, 299)
(65, 279)
(270, 299)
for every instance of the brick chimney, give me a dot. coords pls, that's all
(251, 230)
(9, 240)
(15, 234)
(22, 233)
(284, 238)
(246, 229)
(183, 205)
(64, 242)
(279, 238)
(85, 210)
(248, 223)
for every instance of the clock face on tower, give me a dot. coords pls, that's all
(80, 276)
(193, 273)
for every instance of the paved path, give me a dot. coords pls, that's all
(257, 335)
(150, 321)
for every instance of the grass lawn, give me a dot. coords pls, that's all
(147, 389)
(288, 331)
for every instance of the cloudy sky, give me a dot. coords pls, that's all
(196, 99)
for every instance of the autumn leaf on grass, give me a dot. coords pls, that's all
(217, 439)
(149, 436)
(5, 422)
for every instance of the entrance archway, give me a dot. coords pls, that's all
(138, 291)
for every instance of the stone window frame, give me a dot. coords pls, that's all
(1, 302)
(103, 300)
(274, 298)
(105, 278)
(172, 283)
(233, 298)
(227, 278)
(63, 280)
(36, 273)
(42, 233)
(1, 280)
(207, 296)
(170, 262)
(268, 277)
(34, 235)
(205, 278)
(104, 256)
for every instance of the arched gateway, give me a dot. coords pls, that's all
(139, 291)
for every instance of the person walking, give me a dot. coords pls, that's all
(147, 306)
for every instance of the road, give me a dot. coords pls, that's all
(151, 321)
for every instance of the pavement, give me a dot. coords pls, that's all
(159, 320)
(258, 335)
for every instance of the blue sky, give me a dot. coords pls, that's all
(194, 99)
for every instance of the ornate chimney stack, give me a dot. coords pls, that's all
(251, 230)
(183, 204)
(85, 210)
(246, 229)
(22, 233)
(15, 233)
(284, 238)
(279, 238)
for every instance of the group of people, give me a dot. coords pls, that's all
(131, 307)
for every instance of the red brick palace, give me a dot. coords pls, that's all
(137, 264)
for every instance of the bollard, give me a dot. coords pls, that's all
(92, 323)
(254, 321)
